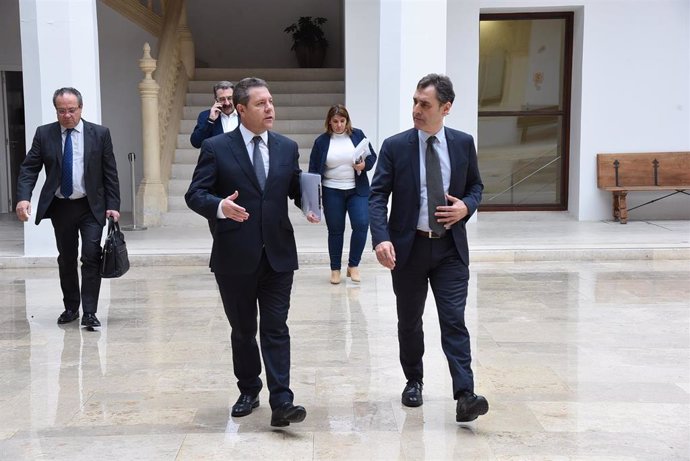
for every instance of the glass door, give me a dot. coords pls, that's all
(524, 103)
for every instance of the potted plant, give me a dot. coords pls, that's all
(308, 41)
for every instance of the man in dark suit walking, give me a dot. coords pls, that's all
(81, 191)
(242, 181)
(432, 173)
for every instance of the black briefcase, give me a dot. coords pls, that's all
(114, 261)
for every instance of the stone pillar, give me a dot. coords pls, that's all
(59, 40)
(184, 35)
(151, 198)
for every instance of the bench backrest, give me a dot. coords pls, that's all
(645, 169)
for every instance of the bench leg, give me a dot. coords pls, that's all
(620, 206)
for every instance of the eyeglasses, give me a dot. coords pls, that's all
(224, 99)
(70, 110)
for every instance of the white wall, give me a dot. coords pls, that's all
(121, 46)
(250, 34)
(630, 90)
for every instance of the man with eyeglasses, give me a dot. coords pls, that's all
(80, 192)
(220, 118)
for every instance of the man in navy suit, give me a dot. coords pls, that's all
(81, 190)
(432, 174)
(242, 181)
(220, 118)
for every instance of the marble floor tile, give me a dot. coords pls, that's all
(580, 360)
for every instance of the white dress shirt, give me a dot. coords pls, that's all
(229, 122)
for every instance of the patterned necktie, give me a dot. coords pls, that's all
(66, 185)
(258, 160)
(435, 195)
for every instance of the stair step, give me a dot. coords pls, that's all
(280, 100)
(205, 87)
(185, 153)
(286, 74)
(182, 171)
(177, 203)
(285, 127)
(178, 187)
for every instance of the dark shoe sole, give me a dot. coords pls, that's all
(410, 404)
(239, 414)
(62, 321)
(90, 324)
(296, 415)
(481, 408)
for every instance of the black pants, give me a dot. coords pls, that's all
(435, 262)
(72, 218)
(240, 295)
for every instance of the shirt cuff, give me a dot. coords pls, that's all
(219, 212)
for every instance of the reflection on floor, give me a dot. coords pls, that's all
(579, 360)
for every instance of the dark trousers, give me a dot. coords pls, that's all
(72, 218)
(240, 294)
(336, 203)
(435, 262)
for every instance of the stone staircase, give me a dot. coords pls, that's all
(301, 97)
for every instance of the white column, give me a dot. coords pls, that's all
(413, 44)
(59, 48)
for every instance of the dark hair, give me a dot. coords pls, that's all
(338, 109)
(222, 85)
(241, 93)
(67, 90)
(443, 85)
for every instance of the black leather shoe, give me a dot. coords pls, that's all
(244, 405)
(412, 395)
(68, 316)
(470, 406)
(90, 320)
(287, 413)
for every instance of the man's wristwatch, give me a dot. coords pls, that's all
(210, 120)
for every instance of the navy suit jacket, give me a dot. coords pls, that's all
(319, 153)
(100, 169)
(223, 168)
(397, 173)
(204, 130)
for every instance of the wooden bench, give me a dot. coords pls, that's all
(653, 171)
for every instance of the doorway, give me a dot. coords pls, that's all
(13, 148)
(524, 110)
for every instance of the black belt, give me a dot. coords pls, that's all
(430, 234)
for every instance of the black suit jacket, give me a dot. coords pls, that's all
(223, 168)
(204, 130)
(397, 173)
(100, 169)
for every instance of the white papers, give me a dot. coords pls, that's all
(361, 151)
(310, 184)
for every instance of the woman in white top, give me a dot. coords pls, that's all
(345, 188)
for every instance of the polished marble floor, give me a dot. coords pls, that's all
(580, 360)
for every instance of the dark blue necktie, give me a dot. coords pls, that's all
(66, 186)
